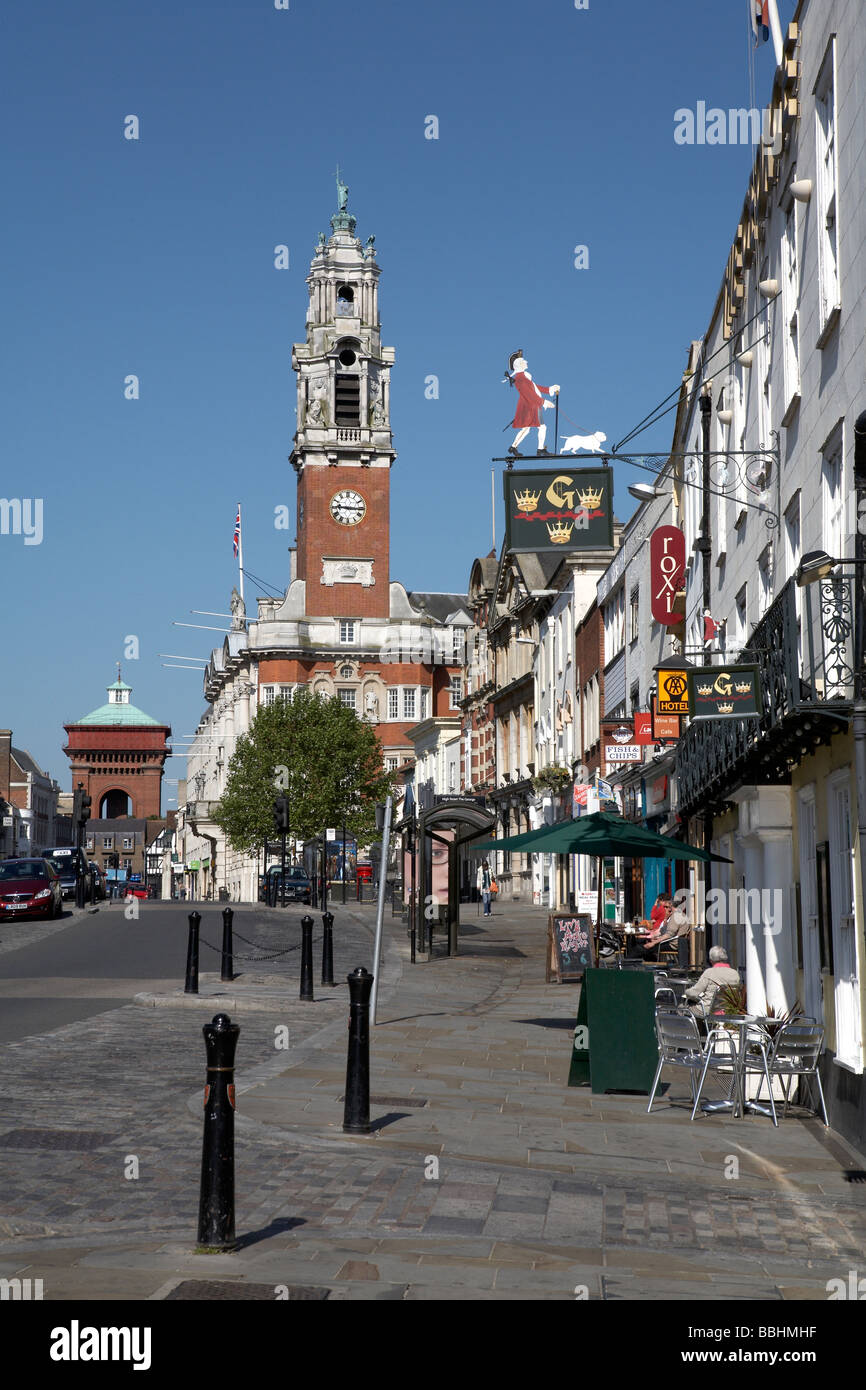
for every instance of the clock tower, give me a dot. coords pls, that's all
(343, 449)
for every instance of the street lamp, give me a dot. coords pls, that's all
(645, 492)
(815, 565)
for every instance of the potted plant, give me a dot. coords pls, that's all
(552, 778)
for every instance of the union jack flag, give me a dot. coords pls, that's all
(760, 16)
(237, 536)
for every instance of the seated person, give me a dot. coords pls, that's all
(659, 927)
(701, 995)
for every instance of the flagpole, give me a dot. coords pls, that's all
(240, 552)
(493, 504)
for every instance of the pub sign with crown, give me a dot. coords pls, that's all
(724, 692)
(568, 509)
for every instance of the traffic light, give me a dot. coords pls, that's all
(281, 814)
(84, 808)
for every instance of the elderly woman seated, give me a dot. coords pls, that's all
(701, 995)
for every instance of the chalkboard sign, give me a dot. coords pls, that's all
(570, 948)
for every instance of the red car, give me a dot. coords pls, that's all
(29, 888)
(138, 892)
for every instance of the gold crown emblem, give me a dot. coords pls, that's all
(527, 501)
(726, 709)
(705, 690)
(742, 689)
(591, 497)
(560, 533)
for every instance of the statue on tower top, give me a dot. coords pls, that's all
(342, 192)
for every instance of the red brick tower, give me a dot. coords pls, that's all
(343, 449)
(119, 752)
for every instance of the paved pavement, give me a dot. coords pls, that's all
(486, 1176)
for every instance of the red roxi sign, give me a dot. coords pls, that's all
(667, 567)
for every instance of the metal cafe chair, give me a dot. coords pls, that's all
(665, 995)
(753, 1059)
(795, 1052)
(681, 1045)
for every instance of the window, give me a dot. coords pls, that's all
(456, 691)
(792, 538)
(790, 300)
(634, 698)
(614, 625)
(425, 702)
(634, 615)
(127, 864)
(285, 692)
(409, 702)
(741, 607)
(89, 844)
(393, 703)
(832, 497)
(347, 697)
(828, 181)
(108, 842)
(345, 301)
(346, 673)
(268, 694)
(765, 581)
(347, 629)
(127, 842)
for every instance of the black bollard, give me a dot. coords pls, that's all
(216, 1212)
(356, 1110)
(306, 957)
(328, 948)
(191, 983)
(227, 972)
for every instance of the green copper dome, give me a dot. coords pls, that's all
(118, 710)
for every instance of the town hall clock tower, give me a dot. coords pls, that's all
(343, 448)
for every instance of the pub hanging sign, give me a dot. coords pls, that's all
(549, 510)
(725, 692)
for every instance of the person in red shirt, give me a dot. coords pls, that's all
(528, 413)
(658, 932)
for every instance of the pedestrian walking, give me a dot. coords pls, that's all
(484, 883)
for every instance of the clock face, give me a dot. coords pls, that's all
(348, 508)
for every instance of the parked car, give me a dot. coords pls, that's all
(99, 889)
(29, 888)
(299, 889)
(137, 890)
(69, 864)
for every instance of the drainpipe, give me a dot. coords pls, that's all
(859, 712)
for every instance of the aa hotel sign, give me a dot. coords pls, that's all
(667, 567)
(558, 511)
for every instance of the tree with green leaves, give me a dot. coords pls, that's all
(319, 754)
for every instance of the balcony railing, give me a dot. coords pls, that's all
(806, 689)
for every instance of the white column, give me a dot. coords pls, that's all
(753, 855)
(779, 927)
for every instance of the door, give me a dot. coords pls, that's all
(846, 987)
(813, 986)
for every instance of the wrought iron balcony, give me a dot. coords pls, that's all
(807, 685)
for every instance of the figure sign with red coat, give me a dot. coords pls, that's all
(530, 405)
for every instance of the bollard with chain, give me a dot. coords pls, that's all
(191, 983)
(216, 1212)
(227, 972)
(306, 957)
(328, 948)
(356, 1110)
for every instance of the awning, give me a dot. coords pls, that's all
(601, 833)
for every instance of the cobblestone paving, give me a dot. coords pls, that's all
(540, 1190)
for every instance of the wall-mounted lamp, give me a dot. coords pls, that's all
(768, 288)
(724, 417)
(802, 190)
(746, 358)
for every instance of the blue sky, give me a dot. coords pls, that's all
(156, 257)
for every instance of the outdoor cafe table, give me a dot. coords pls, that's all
(739, 1105)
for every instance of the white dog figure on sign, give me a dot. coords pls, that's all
(590, 442)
